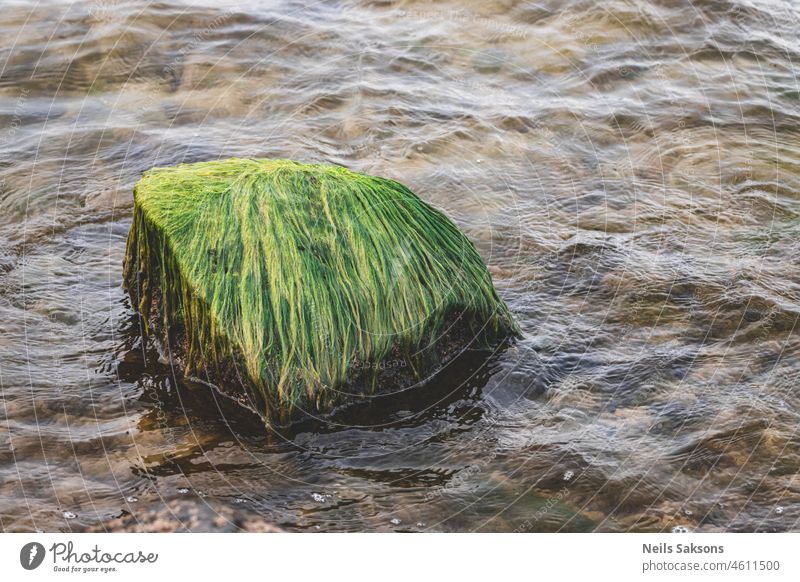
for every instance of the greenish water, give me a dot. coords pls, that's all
(629, 170)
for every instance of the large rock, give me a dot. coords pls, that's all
(291, 285)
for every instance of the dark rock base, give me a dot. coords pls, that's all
(395, 373)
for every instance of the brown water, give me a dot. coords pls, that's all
(630, 169)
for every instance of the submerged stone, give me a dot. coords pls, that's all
(297, 286)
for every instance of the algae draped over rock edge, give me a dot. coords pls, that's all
(299, 274)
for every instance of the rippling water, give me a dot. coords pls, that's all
(629, 169)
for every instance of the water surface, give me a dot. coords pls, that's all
(630, 171)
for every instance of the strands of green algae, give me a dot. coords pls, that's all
(298, 272)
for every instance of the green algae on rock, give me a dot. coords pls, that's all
(291, 285)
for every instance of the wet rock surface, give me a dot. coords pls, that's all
(185, 515)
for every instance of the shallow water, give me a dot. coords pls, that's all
(629, 169)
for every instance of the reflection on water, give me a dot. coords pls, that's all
(629, 169)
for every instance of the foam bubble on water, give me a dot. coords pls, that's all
(131, 499)
(70, 515)
(183, 490)
(394, 521)
(568, 475)
(687, 511)
(680, 529)
(320, 497)
(240, 500)
(779, 510)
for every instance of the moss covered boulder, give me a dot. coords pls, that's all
(294, 286)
